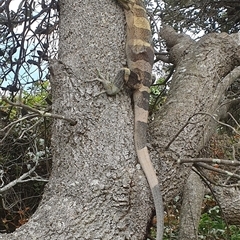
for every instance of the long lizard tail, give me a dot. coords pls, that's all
(140, 138)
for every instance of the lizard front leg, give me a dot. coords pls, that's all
(113, 87)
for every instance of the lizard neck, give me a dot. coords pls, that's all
(139, 50)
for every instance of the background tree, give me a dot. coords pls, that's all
(97, 189)
(208, 16)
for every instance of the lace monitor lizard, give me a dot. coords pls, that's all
(138, 76)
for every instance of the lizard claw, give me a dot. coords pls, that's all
(109, 86)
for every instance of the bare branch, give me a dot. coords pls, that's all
(22, 178)
(201, 173)
(39, 112)
(210, 160)
(206, 166)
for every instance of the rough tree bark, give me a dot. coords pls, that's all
(191, 207)
(97, 189)
(230, 203)
(204, 71)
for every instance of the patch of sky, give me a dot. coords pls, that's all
(28, 44)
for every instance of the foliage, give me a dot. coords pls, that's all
(206, 15)
(158, 94)
(212, 226)
(159, 90)
(28, 38)
(25, 143)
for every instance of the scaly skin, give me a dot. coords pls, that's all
(138, 77)
(140, 57)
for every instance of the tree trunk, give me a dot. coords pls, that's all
(97, 189)
(191, 207)
(203, 72)
(230, 203)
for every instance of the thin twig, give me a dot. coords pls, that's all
(209, 160)
(39, 112)
(219, 170)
